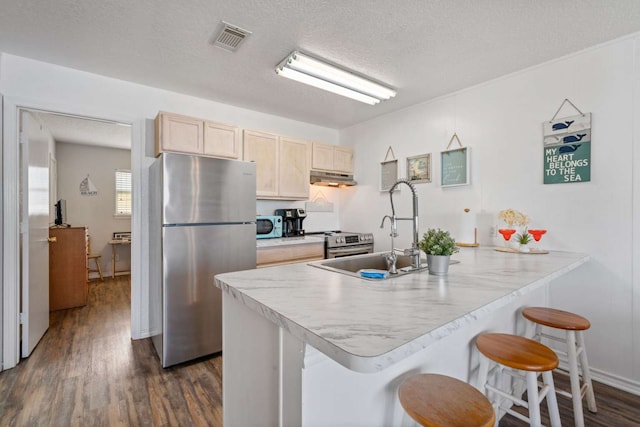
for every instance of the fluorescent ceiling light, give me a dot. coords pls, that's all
(305, 69)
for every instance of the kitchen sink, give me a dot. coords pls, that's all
(353, 264)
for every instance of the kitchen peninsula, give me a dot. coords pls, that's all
(305, 346)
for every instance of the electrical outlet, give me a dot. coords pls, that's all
(117, 257)
(493, 232)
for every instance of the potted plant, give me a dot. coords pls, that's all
(439, 246)
(523, 239)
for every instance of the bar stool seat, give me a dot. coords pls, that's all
(521, 354)
(438, 400)
(573, 325)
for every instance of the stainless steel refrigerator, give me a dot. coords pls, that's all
(202, 223)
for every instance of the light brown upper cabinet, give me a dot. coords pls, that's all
(294, 168)
(262, 148)
(332, 158)
(183, 134)
(282, 165)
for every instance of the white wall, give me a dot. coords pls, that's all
(35, 84)
(75, 162)
(502, 123)
(315, 220)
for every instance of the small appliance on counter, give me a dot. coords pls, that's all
(268, 226)
(292, 221)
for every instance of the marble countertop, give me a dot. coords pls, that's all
(367, 326)
(284, 241)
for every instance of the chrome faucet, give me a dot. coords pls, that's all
(414, 252)
(391, 257)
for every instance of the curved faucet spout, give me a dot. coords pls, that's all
(415, 252)
(413, 191)
(394, 226)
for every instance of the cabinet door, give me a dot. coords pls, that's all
(262, 148)
(343, 159)
(178, 133)
(294, 168)
(322, 157)
(68, 268)
(221, 140)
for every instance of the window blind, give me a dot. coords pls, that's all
(123, 192)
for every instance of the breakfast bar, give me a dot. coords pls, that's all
(315, 347)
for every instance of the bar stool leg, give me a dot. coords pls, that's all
(483, 373)
(576, 396)
(552, 401)
(533, 399)
(586, 373)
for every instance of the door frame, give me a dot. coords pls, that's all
(10, 202)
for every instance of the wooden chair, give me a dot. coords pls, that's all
(520, 355)
(95, 258)
(573, 325)
(438, 400)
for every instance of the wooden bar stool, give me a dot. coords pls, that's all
(573, 325)
(438, 400)
(95, 258)
(519, 354)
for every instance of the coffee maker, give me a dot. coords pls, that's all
(292, 221)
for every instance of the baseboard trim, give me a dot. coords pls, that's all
(625, 384)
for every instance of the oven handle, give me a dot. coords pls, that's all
(356, 249)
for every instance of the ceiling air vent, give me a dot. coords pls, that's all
(230, 37)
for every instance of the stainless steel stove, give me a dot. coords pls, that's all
(341, 244)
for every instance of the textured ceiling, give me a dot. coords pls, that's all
(423, 48)
(77, 130)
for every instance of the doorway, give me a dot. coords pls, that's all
(87, 162)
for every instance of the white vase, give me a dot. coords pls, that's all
(438, 264)
(524, 248)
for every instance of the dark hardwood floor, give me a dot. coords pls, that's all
(615, 408)
(87, 371)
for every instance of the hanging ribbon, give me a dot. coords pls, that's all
(560, 108)
(455, 136)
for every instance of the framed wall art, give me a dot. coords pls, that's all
(419, 168)
(388, 171)
(454, 165)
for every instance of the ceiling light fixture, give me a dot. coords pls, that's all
(306, 69)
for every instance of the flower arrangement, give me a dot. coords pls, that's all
(438, 242)
(513, 217)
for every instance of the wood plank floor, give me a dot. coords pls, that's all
(615, 408)
(88, 372)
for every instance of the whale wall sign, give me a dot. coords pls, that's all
(567, 149)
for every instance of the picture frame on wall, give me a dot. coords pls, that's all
(419, 168)
(454, 167)
(388, 174)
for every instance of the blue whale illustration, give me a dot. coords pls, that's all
(569, 148)
(566, 124)
(573, 138)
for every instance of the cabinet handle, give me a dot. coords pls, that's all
(52, 239)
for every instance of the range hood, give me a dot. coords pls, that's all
(331, 179)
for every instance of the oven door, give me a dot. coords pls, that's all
(349, 251)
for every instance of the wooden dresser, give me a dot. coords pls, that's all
(68, 268)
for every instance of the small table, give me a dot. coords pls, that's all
(114, 243)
